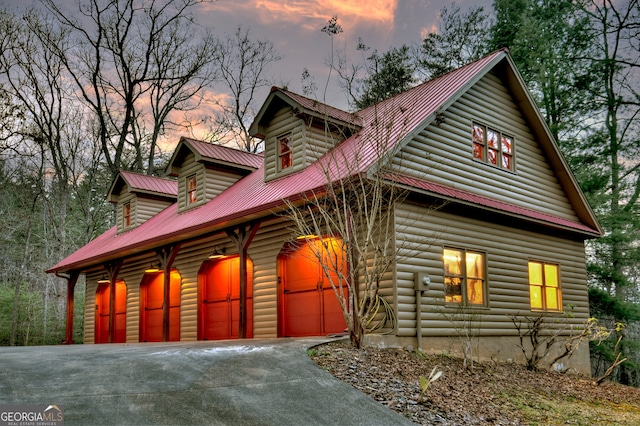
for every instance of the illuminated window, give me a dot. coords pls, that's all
(192, 196)
(126, 215)
(284, 152)
(544, 286)
(493, 147)
(464, 277)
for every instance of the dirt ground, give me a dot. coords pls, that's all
(489, 393)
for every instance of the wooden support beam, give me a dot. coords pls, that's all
(166, 255)
(112, 273)
(72, 279)
(242, 237)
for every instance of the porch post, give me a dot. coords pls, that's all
(167, 255)
(72, 279)
(242, 239)
(112, 272)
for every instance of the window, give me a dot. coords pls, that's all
(544, 286)
(284, 152)
(492, 146)
(464, 277)
(126, 215)
(192, 195)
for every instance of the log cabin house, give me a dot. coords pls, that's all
(204, 255)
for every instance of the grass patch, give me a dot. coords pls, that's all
(539, 409)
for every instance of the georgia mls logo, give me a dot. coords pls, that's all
(31, 415)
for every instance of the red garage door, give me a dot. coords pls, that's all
(151, 301)
(219, 311)
(103, 299)
(309, 306)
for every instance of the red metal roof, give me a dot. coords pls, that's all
(226, 154)
(145, 183)
(384, 127)
(479, 200)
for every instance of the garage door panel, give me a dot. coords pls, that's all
(303, 314)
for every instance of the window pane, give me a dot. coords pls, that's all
(453, 289)
(191, 191)
(551, 294)
(507, 144)
(506, 162)
(492, 139)
(535, 295)
(478, 151)
(551, 275)
(475, 294)
(452, 262)
(493, 156)
(478, 134)
(285, 152)
(535, 273)
(475, 267)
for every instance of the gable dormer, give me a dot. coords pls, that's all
(297, 131)
(139, 197)
(204, 170)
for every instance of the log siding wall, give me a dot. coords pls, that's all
(508, 251)
(444, 153)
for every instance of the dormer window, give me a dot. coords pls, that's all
(192, 195)
(284, 152)
(126, 215)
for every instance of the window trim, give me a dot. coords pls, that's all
(280, 155)
(543, 286)
(464, 277)
(499, 150)
(191, 193)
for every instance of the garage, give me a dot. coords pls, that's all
(151, 302)
(308, 303)
(103, 299)
(219, 299)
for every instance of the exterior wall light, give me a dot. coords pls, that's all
(218, 253)
(153, 267)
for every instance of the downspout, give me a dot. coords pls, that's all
(419, 318)
(72, 279)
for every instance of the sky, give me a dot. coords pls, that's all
(294, 27)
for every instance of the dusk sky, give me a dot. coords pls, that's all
(294, 26)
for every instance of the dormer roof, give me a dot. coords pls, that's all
(216, 155)
(302, 106)
(145, 185)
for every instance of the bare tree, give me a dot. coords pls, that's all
(126, 50)
(350, 221)
(242, 65)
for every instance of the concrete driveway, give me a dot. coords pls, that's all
(239, 382)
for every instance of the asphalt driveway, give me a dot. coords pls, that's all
(239, 382)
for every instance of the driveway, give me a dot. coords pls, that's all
(234, 382)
